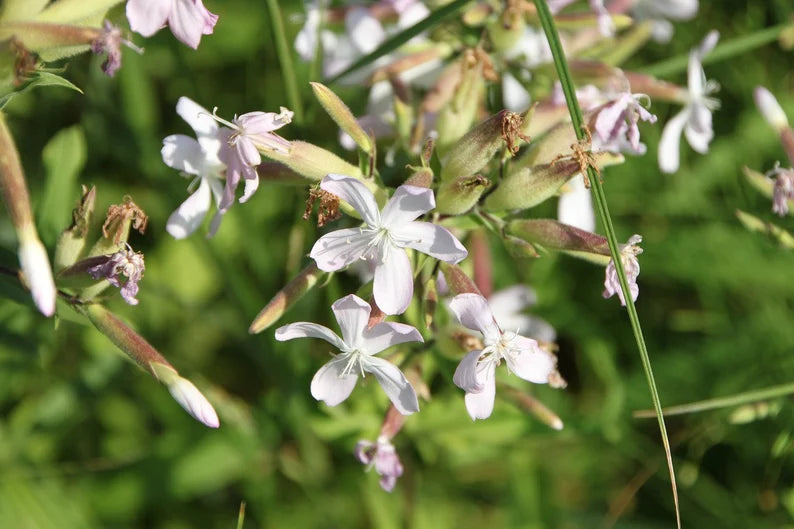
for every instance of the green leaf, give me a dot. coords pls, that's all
(64, 157)
(39, 79)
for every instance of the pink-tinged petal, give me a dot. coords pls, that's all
(354, 193)
(407, 203)
(431, 239)
(669, 143)
(215, 224)
(251, 185)
(147, 17)
(198, 117)
(330, 384)
(480, 404)
(394, 282)
(530, 362)
(210, 19)
(187, 218)
(364, 30)
(247, 151)
(352, 314)
(263, 122)
(474, 313)
(465, 376)
(611, 116)
(394, 384)
(385, 334)
(698, 130)
(575, 207)
(189, 20)
(182, 153)
(305, 329)
(334, 251)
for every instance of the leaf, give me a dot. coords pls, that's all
(64, 157)
(21, 9)
(39, 79)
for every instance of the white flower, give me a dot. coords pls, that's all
(384, 239)
(694, 120)
(575, 207)
(631, 265)
(476, 373)
(508, 305)
(196, 157)
(334, 382)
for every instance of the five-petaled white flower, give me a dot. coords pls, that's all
(196, 157)
(694, 120)
(476, 373)
(334, 382)
(188, 19)
(384, 239)
(631, 265)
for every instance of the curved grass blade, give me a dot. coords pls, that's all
(747, 397)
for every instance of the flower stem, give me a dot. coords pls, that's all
(285, 59)
(561, 65)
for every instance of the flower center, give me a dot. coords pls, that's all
(355, 360)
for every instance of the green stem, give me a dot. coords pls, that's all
(722, 402)
(285, 60)
(561, 64)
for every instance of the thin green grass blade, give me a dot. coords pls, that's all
(392, 43)
(725, 50)
(241, 516)
(561, 64)
(284, 52)
(722, 402)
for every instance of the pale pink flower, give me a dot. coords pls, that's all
(631, 265)
(476, 373)
(384, 238)
(109, 41)
(188, 19)
(382, 456)
(358, 346)
(783, 190)
(618, 120)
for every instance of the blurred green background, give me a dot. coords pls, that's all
(88, 440)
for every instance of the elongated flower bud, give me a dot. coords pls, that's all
(457, 280)
(539, 410)
(456, 197)
(286, 298)
(422, 177)
(72, 241)
(555, 235)
(341, 114)
(774, 115)
(312, 162)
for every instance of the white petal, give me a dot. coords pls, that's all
(465, 376)
(394, 282)
(669, 143)
(698, 129)
(251, 185)
(576, 206)
(330, 385)
(334, 251)
(182, 153)
(305, 329)
(187, 217)
(511, 300)
(38, 274)
(354, 193)
(531, 363)
(147, 17)
(187, 21)
(307, 38)
(430, 239)
(352, 314)
(385, 334)
(473, 312)
(394, 384)
(514, 95)
(198, 117)
(364, 30)
(480, 404)
(407, 203)
(194, 402)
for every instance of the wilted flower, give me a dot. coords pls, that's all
(476, 373)
(127, 262)
(188, 19)
(384, 239)
(334, 382)
(783, 190)
(383, 457)
(195, 157)
(628, 257)
(109, 41)
(694, 120)
(618, 119)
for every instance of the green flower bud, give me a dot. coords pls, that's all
(341, 114)
(421, 177)
(456, 197)
(561, 237)
(312, 162)
(286, 298)
(457, 280)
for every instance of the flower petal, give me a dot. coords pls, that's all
(334, 251)
(575, 207)
(514, 95)
(354, 193)
(480, 404)
(429, 238)
(511, 300)
(364, 29)
(698, 130)
(352, 314)
(251, 185)
(189, 19)
(530, 363)
(187, 217)
(407, 203)
(182, 153)
(147, 17)
(394, 282)
(385, 334)
(473, 312)
(394, 384)
(465, 376)
(330, 384)
(669, 143)
(305, 329)
(198, 117)
(194, 402)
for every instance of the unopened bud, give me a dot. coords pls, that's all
(770, 109)
(187, 395)
(557, 236)
(286, 298)
(421, 177)
(429, 301)
(72, 241)
(457, 280)
(341, 114)
(312, 162)
(539, 410)
(506, 30)
(38, 275)
(456, 197)
(520, 248)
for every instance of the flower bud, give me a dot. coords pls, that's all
(312, 162)
(457, 280)
(429, 301)
(187, 395)
(456, 197)
(341, 114)
(506, 30)
(770, 109)
(286, 298)
(539, 410)
(38, 275)
(519, 248)
(421, 177)
(561, 237)
(73, 240)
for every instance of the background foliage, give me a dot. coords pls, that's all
(87, 440)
